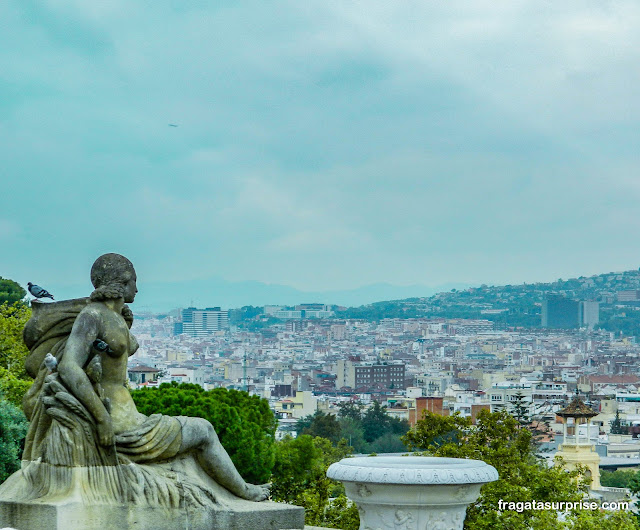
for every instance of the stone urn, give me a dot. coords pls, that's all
(412, 492)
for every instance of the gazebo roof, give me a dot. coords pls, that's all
(577, 409)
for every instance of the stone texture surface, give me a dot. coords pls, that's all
(411, 492)
(78, 516)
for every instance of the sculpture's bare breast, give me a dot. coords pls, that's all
(116, 334)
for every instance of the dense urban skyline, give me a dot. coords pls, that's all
(321, 146)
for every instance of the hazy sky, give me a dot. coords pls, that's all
(321, 145)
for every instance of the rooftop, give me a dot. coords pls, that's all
(577, 409)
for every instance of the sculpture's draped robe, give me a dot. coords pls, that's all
(158, 438)
(46, 332)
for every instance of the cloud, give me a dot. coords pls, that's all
(321, 144)
(317, 241)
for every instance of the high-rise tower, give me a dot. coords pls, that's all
(200, 322)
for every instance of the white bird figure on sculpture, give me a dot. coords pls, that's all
(50, 362)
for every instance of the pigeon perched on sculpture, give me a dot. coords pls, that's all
(38, 291)
(102, 346)
(50, 362)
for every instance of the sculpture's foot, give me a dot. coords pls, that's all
(253, 492)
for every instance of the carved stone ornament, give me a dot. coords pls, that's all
(412, 470)
(412, 492)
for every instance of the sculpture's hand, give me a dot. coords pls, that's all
(105, 432)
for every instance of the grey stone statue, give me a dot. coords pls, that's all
(88, 444)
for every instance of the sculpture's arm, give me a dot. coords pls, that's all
(85, 330)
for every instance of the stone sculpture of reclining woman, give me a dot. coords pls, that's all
(86, 435)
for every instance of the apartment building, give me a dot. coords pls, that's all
(362, 375)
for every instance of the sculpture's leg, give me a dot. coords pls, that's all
(199, 435)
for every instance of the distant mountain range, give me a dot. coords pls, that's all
(164, 296)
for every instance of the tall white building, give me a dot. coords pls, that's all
(200, 322)
(589, 313)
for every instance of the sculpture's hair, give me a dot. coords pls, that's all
(127, 315)
(109, 275)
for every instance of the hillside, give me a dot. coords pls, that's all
(516, 305)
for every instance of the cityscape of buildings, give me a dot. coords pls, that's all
(303, 363)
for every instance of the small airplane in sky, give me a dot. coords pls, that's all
(172, 125)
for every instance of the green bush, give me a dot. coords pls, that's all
(13, 429)
(245, 424)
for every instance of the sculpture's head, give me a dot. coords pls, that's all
(113, 276)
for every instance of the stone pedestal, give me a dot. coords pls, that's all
(71, 512)
(75, 516)
(408, 492)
